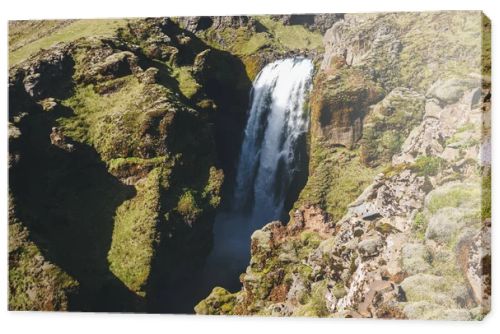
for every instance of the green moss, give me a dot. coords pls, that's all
(336, 179)
(187, 207)
(135, 234)
(310, 239)
(109, 122)
(213, 187)
(115, 123)
(34, 283)
(466, 136)
(486, 45)
(118, 163)
(459, 54)
(220, 301)
(420, 225)
(187, 83)
(486, 195)
(454, 197)
(427, 165)
(292, 36)
(254, 44)
(316, 304)
(27, 31)
(388, 124)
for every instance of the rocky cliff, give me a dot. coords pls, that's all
(394, 219)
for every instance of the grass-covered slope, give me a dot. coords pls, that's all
(28, 37)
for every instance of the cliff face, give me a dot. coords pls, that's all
(394, 219)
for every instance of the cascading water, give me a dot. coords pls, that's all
(272, 154)
(268, 156)
(268, 164)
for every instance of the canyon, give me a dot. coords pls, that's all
(329, 165)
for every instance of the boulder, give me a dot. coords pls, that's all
(451, 90)
(444, 224)
(370, 247)
(415, 258)
(195, 23)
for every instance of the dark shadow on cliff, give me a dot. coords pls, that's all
(175, 284)
(183, 246)
(67, 199)
(224, 79)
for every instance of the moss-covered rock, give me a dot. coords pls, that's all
(416, 258)
(219, 302)
(336, 177)
(35, 284)
(388, 124)
(339, 101)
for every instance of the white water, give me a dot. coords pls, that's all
(267, 164)
(276, 121)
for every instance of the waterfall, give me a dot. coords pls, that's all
(268, 165)
(277, 120)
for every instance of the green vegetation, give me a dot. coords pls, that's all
(420, 225)
(243, 41)
(388, 124)
(427, 165)
(125, 163)
(253, 45)
(66, 33)
(337, 177)
(310, 239)
(455, 196)
(34, 283)
(114, 123)
(109, 122)
(316, 303)
(458, 54)
(292, 36)
(486, 46)
(187, 84)
(220, 301)
(214, 186)
(486, 195)
(466, 136)
(187, 207)
(135, 234)
(27, 31)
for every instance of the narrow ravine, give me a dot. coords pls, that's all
(270, 160)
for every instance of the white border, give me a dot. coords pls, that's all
(22, 322)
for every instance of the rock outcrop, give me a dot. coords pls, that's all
(320, 22)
